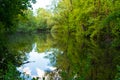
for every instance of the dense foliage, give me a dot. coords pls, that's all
(90, 18)
(94, 20)
(39, 22)
(97, 21)
(9, 11)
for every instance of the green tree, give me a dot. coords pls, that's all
(43, 19)
(27, 23)
(10, 9)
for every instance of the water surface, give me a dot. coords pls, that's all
(67, 57)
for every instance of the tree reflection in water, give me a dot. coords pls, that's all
(73, 57)
(84, 59)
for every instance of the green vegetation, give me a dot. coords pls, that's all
(90, 18)
(84, 59)
(9, 11)
(41, 22)
(93, 25)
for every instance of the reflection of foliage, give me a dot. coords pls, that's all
(21, 42)
(9, 11)
(117, 77)
(17, 46)
(11, 73)
(52, 54)
(14, 50)
(86, 59)
(68, 59)
(44, 41)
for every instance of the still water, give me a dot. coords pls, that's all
(37, 65)
(65, 57)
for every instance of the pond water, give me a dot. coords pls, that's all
(37, 65)
(64, 57)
